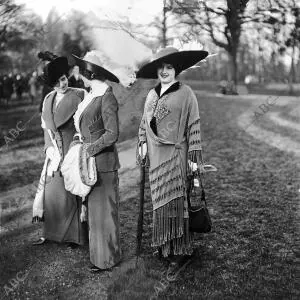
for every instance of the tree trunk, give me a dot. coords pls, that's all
(164, 26)
(292, 74)
(233, 72)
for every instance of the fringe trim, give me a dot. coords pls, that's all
(37, 219)
(171, 229)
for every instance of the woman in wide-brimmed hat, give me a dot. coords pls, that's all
(169, 136)
(97, 123)
(59, 208)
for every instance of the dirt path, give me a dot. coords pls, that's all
(275, 140)
(275, 117)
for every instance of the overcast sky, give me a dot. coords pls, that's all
(138, 11)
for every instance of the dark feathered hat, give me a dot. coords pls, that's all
(55, 69)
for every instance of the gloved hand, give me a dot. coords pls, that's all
(55, 159)
(143, 150)
(83, 214)
(194, 166)
(50, 152)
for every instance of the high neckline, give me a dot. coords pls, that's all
(172, 88)
(98, 87)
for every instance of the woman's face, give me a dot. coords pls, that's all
(76, 70)
(62, 84)
(166, 73)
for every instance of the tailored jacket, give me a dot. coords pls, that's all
(60, 119)
(99, 126)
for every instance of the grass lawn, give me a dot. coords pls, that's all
(251, 252)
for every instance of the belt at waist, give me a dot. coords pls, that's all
(110, 148)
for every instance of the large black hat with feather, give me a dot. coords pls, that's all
(57, 67)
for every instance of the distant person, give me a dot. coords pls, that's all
(75, 79)
(8, 87)
(169, 134)
(1, 87)
(60, 209)
(33, 86)
(19, 85)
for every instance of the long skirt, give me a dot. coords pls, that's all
(62, 213)
(103, 215)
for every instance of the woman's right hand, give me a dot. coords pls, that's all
(50, 152)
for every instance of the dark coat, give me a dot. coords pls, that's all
(60, 120)
(62, 209)
(99, 125)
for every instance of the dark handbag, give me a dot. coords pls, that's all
(199, 218)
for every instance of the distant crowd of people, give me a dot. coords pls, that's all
(19, 84)
(31, 83)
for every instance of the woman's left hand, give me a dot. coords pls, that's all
(194, 167)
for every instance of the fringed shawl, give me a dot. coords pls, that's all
(178, 139)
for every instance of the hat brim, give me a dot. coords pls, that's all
(95, 69)
(181, 61)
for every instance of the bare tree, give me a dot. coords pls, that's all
(225, 20)
(292, 40)
(222, 20)
(8, 12)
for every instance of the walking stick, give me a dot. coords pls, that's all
(139, 234)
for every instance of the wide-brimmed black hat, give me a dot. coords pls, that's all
(180, 60)
(93, 63)
(55, 69)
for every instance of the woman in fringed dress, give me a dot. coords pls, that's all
(169, 133)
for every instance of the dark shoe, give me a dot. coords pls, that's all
(72, 245)
(176, 266)
(172, 271)
(94, 269)
(158, 254)
(40, 241)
